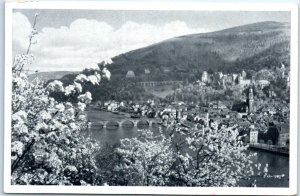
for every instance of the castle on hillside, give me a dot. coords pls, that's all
(226, 79)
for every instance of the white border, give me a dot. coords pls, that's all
(122, 5)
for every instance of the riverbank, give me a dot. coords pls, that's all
(269, 148)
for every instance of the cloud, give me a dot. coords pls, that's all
(87, 42)
(21, 32)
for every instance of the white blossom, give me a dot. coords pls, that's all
(19, 116)
(81, 78)
(73, 126)
(60, 107)
(98, 76)
(81, 106)
(44, 115)
(69, 113)
(93, 79)
(71, 168)
(21, 128)
(19, 82)
(40, 126)
(56, 86)
(17, 147)
(69, 90)
(82, 117)
(85, 98)
(106, 73)
(78, 87)
(54, 160)
(48, 129)
(107, 61)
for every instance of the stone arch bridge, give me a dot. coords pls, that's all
(124, 123)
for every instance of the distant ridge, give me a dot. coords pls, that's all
(252, 46)
(53, 75)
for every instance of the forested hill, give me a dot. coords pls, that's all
(250, 47)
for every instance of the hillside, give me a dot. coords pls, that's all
(252, 46)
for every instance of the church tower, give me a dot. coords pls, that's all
(250, 101)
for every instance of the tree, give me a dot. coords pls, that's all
(47, 144)
(210, 71)
(264, 74)
(146, 160)
(206, 156)
(272, 134)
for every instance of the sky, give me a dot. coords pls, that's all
(71, 40)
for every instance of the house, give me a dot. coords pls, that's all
(204, 77)
(253, 136)
(130, 74)
(262, 83)
(284, 135)
(244, 74)
(147, 71)
(228, 79)
(166, 70)
(112, 106)
(244, 83)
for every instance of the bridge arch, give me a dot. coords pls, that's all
(112, 125)
(127, 124)
(143, 123)
(96, 125)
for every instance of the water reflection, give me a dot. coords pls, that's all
(278, 164)
(112, 135)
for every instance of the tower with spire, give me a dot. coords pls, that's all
(250, 101)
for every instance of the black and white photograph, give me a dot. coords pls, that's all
(141, 98)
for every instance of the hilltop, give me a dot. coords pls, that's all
(251, 47)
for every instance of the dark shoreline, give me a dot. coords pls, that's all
(270, 149)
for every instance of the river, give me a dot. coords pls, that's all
(278, 164)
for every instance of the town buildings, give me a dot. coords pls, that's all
(253, 102)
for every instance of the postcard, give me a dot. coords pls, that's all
(180, 98)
